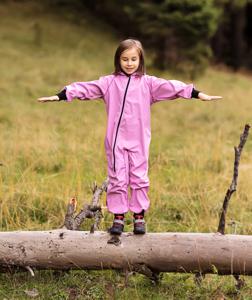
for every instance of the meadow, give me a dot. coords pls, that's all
(51, 152)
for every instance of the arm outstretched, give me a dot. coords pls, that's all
(81, 90)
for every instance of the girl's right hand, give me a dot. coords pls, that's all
(48, 99)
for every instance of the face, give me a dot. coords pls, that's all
(129, 60)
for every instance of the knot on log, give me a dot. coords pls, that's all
(115, 240)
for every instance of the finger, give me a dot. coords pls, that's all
(42, 100)
(216, 97)
(212, 98)
(47, 99)
(206, 98)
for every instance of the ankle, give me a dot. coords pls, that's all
(139, 215)
(119, 216)
(118, 224)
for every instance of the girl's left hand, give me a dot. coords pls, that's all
(206, 97)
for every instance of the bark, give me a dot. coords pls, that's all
(149, 254)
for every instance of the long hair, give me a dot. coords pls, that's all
(125, 45)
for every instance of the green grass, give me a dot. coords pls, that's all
(51, 152)
(111, 285)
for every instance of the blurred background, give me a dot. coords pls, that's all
(50, 152)
(186, 35)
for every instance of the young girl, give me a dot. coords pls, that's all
(128, 94)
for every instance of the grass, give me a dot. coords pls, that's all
(51, 152)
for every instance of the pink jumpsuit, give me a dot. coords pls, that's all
(128, 100)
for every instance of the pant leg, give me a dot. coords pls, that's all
(138, 181)
(117, 191)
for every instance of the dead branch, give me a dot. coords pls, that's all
(232, 188)
(73, 222)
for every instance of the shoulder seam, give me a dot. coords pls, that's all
(145, 78)
(113, 78)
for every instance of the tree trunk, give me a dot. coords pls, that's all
(237, 38)
(158, 252)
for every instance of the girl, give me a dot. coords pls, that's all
(128, 94)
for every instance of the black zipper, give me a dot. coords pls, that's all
(124, 98)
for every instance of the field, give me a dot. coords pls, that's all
(51, 152)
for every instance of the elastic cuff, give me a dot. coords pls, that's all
(119, 215)
(139, 214)
(62, 95)
(195, 93)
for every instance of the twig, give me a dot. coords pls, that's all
(28, 268)
(232, 188)
(69, 218)
(97, 216)
(240, 283)
(154, 276)
(95, 204)
(198, 278)
(127, 274)
(97, 192)
(89, 211)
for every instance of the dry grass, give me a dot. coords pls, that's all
(51, 152)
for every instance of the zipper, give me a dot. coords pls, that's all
(124, 98)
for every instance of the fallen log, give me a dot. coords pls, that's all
(154, 252)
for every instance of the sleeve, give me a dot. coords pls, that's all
(195, 93)
(62, 95)
(87, 90)
(162, 89)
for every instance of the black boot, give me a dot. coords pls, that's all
(139, 223)
(118, 224)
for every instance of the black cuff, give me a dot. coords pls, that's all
(139, 214)
(62, 95)
(195, 93)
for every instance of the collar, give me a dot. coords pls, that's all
(125, 74)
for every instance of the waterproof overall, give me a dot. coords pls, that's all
(128, 100)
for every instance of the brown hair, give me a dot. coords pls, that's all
(125, 45)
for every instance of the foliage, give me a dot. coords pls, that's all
(178, 31)
(232, 43)
(51, 152)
